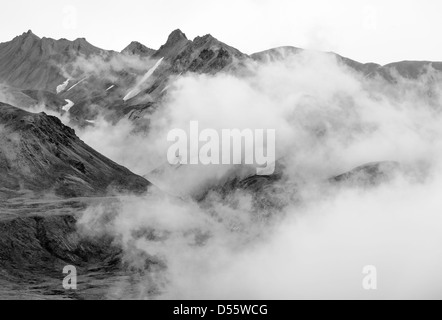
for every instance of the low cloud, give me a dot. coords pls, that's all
(329, 119)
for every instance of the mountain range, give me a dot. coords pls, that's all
(34, 69)
(48, 175)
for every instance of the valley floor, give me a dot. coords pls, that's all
(38, 237)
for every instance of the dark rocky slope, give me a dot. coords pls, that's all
(40, 154)
(406, 69)
(41, 163)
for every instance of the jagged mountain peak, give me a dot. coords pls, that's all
(31, 62)
(29, 33)
(28, 36)
(176, 35)
(206, 37)
(81, 41)
(176, 41)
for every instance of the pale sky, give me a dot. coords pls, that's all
(380, 31)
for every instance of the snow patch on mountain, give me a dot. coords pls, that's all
(77, 84)
(62, 86)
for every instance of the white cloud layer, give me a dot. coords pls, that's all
(328, 120)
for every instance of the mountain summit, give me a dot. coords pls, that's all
(176, 41)
(137, 48)
(175, 37)
(29, 62)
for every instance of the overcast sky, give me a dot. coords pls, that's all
(377, 30)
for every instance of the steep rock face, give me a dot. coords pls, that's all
(44, 237)
(275, 54)
(27, 99)
(39, 244)
(39, 153)
(202, 55)
(32, 63)
(408, 69)
(368, 175)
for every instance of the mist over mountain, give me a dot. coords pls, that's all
(43, 162)
(30, 62)
(33, 63)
